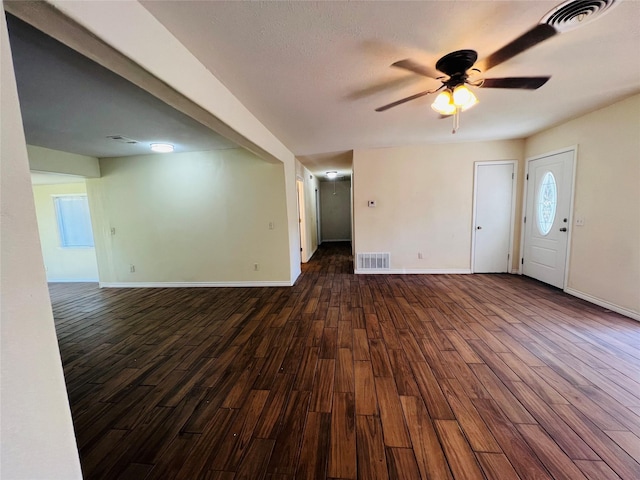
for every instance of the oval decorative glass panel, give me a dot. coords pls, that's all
(547, 201)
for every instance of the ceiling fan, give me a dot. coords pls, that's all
(456, 69)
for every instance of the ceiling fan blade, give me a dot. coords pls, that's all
(537, 34)
(417, 68)
(525, 83)
(406, 99)
(384, 86)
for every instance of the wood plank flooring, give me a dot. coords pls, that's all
(350, 377)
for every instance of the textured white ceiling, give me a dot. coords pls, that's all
(313, 72)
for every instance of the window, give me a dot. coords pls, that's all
(547, 200)
(74, 222)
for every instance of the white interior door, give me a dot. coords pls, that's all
(547, 217)
(493, 217)
(302, 229)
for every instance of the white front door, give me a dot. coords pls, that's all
(493, 217)
(547, 217)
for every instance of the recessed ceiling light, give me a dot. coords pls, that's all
(162, 147)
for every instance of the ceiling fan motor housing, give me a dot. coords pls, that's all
(457, 63)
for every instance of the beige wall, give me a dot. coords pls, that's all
(62, 264)
(36, 430)
(335, 202)
(190, 218)
(424, 197)
(54, 161)
(604, 264)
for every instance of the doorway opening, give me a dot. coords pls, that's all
(336, 210)
(64, 226)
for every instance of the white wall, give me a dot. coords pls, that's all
(335, 205)
(190, 218)
(62, 264)
(37, 432)
(604, 264)
(424, 198)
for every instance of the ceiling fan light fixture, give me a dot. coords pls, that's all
(464, 98)
(443, 104)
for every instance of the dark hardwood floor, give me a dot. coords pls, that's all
(345, 376)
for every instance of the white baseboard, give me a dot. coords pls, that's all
(72, 280)
(603, 303)
(409, 271)
(238, 284)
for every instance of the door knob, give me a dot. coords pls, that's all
(478, 227)
(563, 229)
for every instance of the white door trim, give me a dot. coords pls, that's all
(574, 149)
(513, 207)
(302, 225)
(318, 215)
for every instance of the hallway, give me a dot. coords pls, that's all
(329, 259)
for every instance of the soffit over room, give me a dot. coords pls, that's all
(69, 103)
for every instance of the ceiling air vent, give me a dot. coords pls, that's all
(575, 13)
(122, 139)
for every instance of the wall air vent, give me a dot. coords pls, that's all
(373, 261)
(122, 139)
(575, 13)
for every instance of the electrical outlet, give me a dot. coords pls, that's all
(113, 230)
(132, 269)
(271, 226)
(256, 267)
(419, 255)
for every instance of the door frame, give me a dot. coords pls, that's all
(513, 208)
(302, 223)
(525, 193)
(318, 213)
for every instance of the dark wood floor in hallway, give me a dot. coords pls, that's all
(350, 376)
